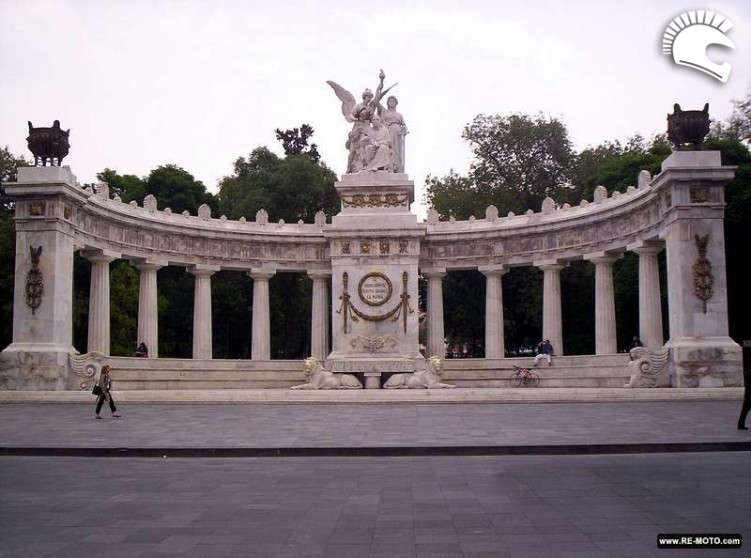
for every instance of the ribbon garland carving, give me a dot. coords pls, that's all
(34, 281)
(349, 311)
(702, 268)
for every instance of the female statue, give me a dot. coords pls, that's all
(394, 121)
(361, 115)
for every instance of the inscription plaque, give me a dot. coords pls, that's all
(375, 289)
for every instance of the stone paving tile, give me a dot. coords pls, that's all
(415, 425)
(585, 505)
(263, 521)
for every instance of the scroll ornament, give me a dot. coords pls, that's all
(86, 368)
(702, 268)
(646, 366)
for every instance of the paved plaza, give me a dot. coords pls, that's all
(407, 480)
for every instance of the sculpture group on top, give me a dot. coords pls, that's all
(376, 141)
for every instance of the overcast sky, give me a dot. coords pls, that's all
(142, 83)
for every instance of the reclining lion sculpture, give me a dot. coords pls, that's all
(320, 378)
(422, 379)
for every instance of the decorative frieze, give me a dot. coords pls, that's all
(375, 200)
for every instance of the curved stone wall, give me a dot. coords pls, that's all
(144, 233)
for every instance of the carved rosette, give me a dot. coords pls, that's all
(37, 208)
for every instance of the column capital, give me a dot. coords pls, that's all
(602, 257)
(202, 270)
(645, 248)
(261, 274)
(493, 270)
(551, 265)
(437, 272)
(143, 264)
(95, 255)
(320, 274)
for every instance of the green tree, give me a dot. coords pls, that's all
(615, 166)
(292, 188)
(295, 142)
(124, 284)
(128, 186)
(177, 189)
(737, 127)
(455, 196)
(528, 156)
(9, 164)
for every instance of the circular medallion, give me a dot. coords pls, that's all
(375, 289)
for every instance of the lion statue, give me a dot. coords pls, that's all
(428, 378)
(320, 378)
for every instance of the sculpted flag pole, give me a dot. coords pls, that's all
(371, 147)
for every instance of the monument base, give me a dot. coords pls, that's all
(374, 370)
(37, 366)
(705, 362)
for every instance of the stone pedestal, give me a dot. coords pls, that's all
(375, 248)
(691, 187)
(46, 199)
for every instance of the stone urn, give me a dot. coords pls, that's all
(48, 145)
(688, 128)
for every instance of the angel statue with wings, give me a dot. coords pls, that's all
(365, 141)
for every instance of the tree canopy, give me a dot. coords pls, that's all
(295, 142)
(292, 188)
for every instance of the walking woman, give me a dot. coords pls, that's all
(105, 384)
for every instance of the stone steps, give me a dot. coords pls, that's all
(609, 371)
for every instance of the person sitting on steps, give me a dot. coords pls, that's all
(544, 350)
(142, 351)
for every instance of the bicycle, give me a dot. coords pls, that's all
(524, 377)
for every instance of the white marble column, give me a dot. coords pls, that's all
(99, 300)
(319, 323)
(494, 343)
(435, 311)
(552, 318)
(606, 341)
(148, 310)
(202, 330)
(260, 344)
(650, 300)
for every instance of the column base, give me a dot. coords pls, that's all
(37, 367)
(705, 362)
(372, 380)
